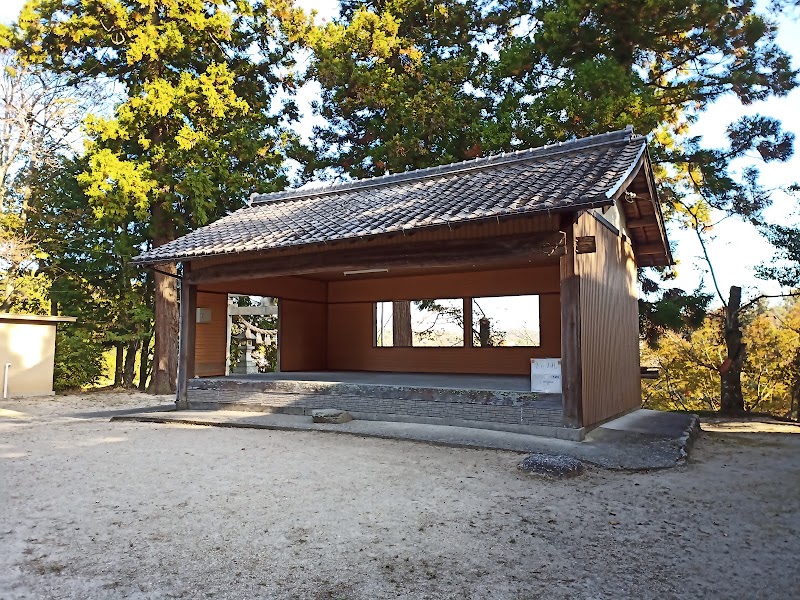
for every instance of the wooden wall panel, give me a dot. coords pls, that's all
(350, 322)
(609, 324)
(302, 335)
(526, 280)
(209, 349)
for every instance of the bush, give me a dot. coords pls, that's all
(79, 358)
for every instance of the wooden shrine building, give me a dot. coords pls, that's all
(424, 296)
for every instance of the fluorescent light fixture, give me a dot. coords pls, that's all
(365, 271)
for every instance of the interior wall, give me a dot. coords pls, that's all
(302, 335)
(210, 343)
(350, 322)
(609, 324)
(329, 325)
(30, 349)
(301, 323)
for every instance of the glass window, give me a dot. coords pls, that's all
(505, 321)
(420, 323)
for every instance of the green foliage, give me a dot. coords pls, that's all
(579, 67)
(79, 357)
(87, 264)
(396, 79)
(407, 84)
(785, 267)
(671, 310)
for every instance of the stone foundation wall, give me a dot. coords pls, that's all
(516, 409)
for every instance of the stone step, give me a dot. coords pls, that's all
(330, 415)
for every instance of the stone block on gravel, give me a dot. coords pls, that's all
(331, 415)
(552, 465)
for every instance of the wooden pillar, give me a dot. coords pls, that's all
(571, 369)
(468, 322)
(187, 336)
(401, 324)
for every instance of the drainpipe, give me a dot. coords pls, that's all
(5, 381)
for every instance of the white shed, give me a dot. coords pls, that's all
(27, 354)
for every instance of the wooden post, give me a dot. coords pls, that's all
(402, 335)
(571, 373)
(468, 323)
(186, 337)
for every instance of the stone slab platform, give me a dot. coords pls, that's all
(609, 446)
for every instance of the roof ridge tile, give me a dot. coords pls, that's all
(623, 135)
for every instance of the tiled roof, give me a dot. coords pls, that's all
(568, 176)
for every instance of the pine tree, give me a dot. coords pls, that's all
(396, 79)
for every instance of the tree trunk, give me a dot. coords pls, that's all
(165, 308)
(130, 364)
(165, 293)
(794, 377)
(401, 323)
(484, 331)
(118, 365)
(731, 397)
(144, 363)
(165, 350)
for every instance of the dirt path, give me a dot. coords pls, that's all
(94, 509)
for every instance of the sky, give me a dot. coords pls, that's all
(736, 248)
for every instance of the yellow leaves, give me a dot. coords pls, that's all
(148, 41)
(368, 36)
(412, 53)
(159, 98)
(187, 138)
(216, 88)
(689, 377)
(696, 214)
(115, 186)
(102, 129)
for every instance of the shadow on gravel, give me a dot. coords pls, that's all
(124, 411)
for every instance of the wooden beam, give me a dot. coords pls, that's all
(531, 247)
(186, 337)
(250, 311)
(649, 249)
(643, 222)
(571, 368)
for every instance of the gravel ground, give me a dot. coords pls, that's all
(95, 509)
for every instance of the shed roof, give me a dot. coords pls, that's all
(39, 319)
(569, 176)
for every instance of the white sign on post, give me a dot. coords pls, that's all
(546, 375)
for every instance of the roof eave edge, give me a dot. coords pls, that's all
(651, 182)
(616, 191)
(584, 203)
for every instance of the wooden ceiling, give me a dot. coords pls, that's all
(644, 222)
